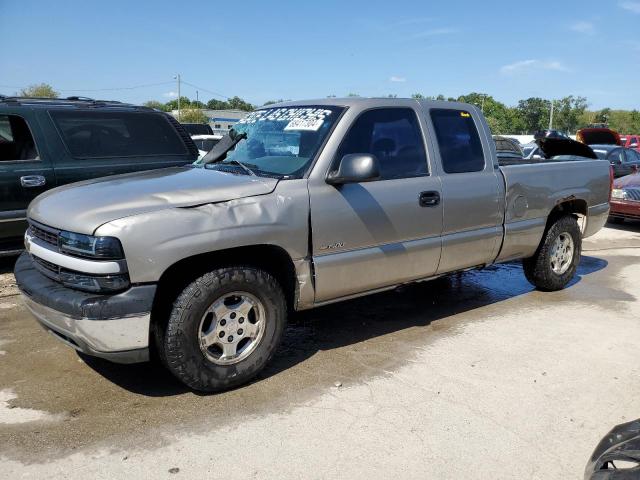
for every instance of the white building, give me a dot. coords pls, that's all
(221, 121)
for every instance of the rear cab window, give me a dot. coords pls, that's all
(16, 140)
(458, 140)
(100, 134)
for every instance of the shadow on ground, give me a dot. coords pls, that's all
(359, 320)
(7, 264)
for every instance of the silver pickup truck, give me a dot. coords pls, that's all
(302, 204)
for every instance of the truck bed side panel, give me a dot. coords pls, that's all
(533, 190)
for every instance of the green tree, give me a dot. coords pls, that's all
(417, 96)
(498, 115)
(173, 104)
(237, 103)
(156, 104)
(43, 90)
(192, 115)
(214, 104)
(271, 102)
(568, 112)
(534, 114)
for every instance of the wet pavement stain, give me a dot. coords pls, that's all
(131, 406)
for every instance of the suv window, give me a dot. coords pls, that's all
(16, 141)
(458, 141)
(391, 134)
(89, 134)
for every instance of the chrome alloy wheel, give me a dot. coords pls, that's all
(232, 328)
(562, 253)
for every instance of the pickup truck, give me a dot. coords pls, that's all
(47, 142)
(301, 205)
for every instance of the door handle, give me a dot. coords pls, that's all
(30, 181)
(429, 199)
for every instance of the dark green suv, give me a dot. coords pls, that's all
(46, 143)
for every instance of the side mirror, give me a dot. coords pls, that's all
(355, 168)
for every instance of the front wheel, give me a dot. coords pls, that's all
(224, 327)
(556, 260)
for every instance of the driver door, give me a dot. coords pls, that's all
(370, 235)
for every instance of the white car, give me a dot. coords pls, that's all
(205, 143)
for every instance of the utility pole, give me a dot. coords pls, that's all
(197, 99)
(551, 116)
(178, 78)
(483, 97)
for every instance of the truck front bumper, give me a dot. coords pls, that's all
(114, 327)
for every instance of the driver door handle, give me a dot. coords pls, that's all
(30, 181)
(429, 199)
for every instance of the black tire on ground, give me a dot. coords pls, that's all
(538, 268)
(180, 343)
(616, 220)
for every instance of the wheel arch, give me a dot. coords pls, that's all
(271, 258)
(573, 206)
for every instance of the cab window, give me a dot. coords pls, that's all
(458, 141)
(393, 135)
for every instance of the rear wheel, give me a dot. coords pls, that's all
(224, 327)
(616, 220)
(556, 260)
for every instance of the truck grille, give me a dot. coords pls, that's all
(46, 234)
(48, 269)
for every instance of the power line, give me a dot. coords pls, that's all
(114, 89)
(98, 89)
(205, 90)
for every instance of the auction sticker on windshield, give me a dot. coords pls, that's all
(309, 119)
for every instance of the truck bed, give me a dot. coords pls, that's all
(534, 188)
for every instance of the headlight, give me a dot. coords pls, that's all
(619, 193)
(92, 283)
(104, 248)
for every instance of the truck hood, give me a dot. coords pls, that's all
(82, 207)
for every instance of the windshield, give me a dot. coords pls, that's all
(527, 149)
(281, 141)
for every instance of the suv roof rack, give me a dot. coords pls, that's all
(74, 101)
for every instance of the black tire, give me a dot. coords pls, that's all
(538, 268)
(615, 220)
(180, 344)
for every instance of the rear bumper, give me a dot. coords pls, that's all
(114, 327)
(625, 209)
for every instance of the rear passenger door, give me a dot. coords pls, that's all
(100, 142)
(24, 173)
(472, 202)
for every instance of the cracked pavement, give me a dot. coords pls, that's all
(472, 376)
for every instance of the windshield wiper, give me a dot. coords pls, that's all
(220, 150)
(240, 164)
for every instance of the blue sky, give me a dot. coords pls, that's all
(303, 49)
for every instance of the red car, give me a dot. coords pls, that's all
(625, 198)
(630, 141)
